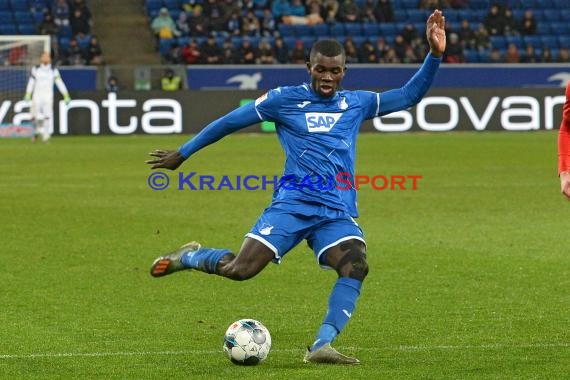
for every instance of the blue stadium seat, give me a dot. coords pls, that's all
(525, 4)
(8, 29)
(550, 41)
(532, 40)
(516, 40)
(20, 5)
(479, 4)
(564, 41)
(543, 28)
(6, 16)
(303, 31)
(387, 29)
(38, 17)
(172, 4)
(352, 29)
(400, 15)
(552, 15)
(560, 28)
(336, 30)
(410, 4)
(417, 15)
(23, 17)
(5, 6)
(152, 5)
(286, 30)
(370, 29)
(164, 45)
(471, 56)
(321, 30)
(65, 31)
(27, 29)
(499, 42)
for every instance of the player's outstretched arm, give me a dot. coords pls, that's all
(167, 159)
(435, 33)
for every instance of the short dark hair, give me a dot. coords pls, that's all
(328, 48)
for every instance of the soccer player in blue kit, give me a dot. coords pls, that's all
(317, 125)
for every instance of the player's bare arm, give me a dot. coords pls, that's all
(435, 33)
(565, 184)
(167, 159)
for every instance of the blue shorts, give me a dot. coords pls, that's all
(281, 230)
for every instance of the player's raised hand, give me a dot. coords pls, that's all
(435, 33)
(167, 159)
(565, 184)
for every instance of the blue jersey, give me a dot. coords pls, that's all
(318, 136)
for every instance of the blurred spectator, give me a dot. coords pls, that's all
(511, 28)
(170, 81)
(466, 35)
(329, 11)
(546, 56)
(299, 53)
(228, 52)
(367, 14)
(250, 26)
(48, 26)
(312, 18)
(94, 53)
(410, 55)
(112, 85)
(280, 8)
(512, 55)
(60, 12)
(198, 23)
(382, 47)
(296, 9)
(174, 54)
(384, 11)
(189, 6)
(233, 25)
(459, 4)
(390, 57)
(265, 52)
(73, 55)
(80, 4)
(482, 38)
(268, 24)
(182, 24)
(246, 53)
(399, 46)
(281, 51)
(211, 51)
(433, 4)
(348, 11)
(163, 25)
(529, 55)
(215, 13)
(495, 21)
(350, 50)
(453, 50)
(563, 55)
(191, 54)
(17, 55)
(409, 33)
(495, 56)
(528, 23)
(83, 39)
(367, 53)
(79, 22)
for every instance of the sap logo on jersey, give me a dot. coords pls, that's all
(320, 121)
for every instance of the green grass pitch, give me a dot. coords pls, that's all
(469, 274)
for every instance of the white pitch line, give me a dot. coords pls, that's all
(216, 352)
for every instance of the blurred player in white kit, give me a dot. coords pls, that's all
(40, 91)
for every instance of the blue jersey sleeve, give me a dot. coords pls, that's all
(413, 91)
(239, 118)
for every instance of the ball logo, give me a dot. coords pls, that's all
(321, 121)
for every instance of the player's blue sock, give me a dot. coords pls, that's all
(342, 302)
(204, 259)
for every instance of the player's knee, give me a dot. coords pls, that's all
(353, 264)
(240, 273)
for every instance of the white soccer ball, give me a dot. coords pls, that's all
(247, 342)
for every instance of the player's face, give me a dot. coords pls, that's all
(326, 74)
(45, 58)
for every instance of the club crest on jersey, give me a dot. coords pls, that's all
(321, 121)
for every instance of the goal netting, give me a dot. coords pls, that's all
(18, 55)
